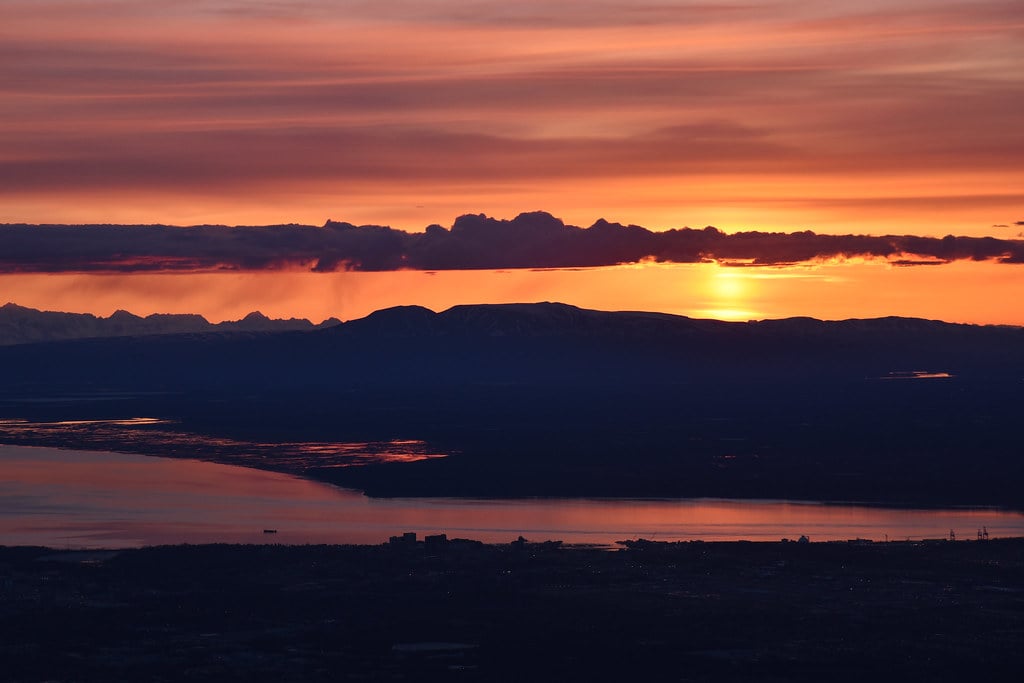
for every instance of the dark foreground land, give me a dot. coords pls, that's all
(936, 611)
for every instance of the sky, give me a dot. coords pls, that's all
(843, 118)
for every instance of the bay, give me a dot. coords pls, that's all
(90, 499)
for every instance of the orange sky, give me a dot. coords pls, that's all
(869, 117)
(865, 117)
(962, 291)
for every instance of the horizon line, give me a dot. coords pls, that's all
(257, 313)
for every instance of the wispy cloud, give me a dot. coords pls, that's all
(119, 101)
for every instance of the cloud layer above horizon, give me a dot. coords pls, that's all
(531, 240)
(830, 115)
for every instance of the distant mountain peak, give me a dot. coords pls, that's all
(122, 315)
(11, 307)
(22, 325)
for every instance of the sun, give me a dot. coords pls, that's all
(729, 285)
(727, 295)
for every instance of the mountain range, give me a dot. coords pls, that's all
(536, 344)
(21, 325)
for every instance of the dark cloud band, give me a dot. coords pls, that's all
(531, 240)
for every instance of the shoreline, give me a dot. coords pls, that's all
(65, 554)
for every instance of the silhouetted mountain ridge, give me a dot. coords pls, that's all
(557, 319)
(551, 320)
(22, 325)
(541, 344)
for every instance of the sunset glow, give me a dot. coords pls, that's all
(830, 291)
(841, 118)
(836, 116)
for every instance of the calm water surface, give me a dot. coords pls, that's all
(84, 499)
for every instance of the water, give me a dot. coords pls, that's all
(88, 499)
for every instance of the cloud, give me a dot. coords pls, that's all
(472, 13)
(127, 101)
(242, 158)
(474, 241)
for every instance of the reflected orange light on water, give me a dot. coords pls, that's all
(88, 499)
(955, 292)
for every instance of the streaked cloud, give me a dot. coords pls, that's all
(474, 242)
(454, 104)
